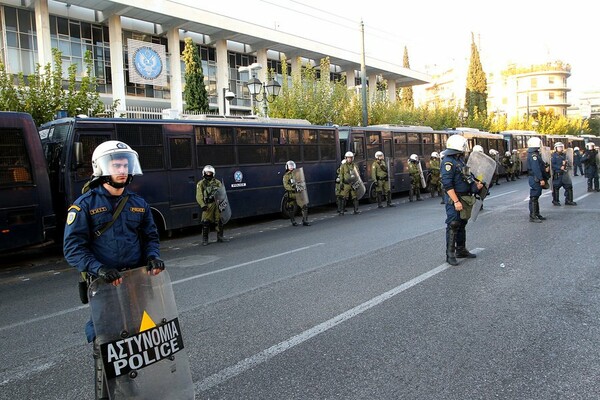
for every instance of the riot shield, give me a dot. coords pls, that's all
(570, 164)
(138, 331)
(483, 168)
(390, 172)
(423, 182)
(357, 184)
(301, 189)
(547, 157)
(598, 159)
(223, 203)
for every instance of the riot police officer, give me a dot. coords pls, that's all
(460, 188)
(577, 161)
(538, 177)
(415, 177)
(560, 178)
(348, 178)
(435, 183)
(110, 229)
(379, 174)
(339, 189)
(590, 160)
(508, 164)
(206, 192)
(496, 156)
(516, 164)
(290, 185)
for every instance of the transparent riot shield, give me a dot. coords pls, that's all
(598, 159)
(423, 181)
(547, 157)
(389, 172)
(357, 184)
(301, 189)
(482, 167)
(223, 204)
(570, 164)
(137, 329)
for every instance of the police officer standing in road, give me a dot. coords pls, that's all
(496, 156)
(538, 178)
(508, 164)
(577, 162)
(415, 178)
(206, 191)
(379, 173)
(590, 160)
(289, 184)
(339, 189)
(348, 177)
(435, 182)
(560, 178)
(110, 229)
(516, 164)
(460, 188)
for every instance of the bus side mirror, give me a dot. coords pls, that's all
(78, 155)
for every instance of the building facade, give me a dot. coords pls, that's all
(136, 48)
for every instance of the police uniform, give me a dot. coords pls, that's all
(591, 169)
(415, 180)
(289, 184)
(536, 170)
(347, 177)
(559, 160)
(206, 190)
(508, 164)
(453, 177)
(379, 173)
(339, 193)
(577, 164)
(435, 183)
(129, 243)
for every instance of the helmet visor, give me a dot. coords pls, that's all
(125, 163)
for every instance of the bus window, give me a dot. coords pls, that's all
(214, 145)
(253, 147)
(286, 145)
(15, 167)
(373, 144)
(327, 145)
(310, 139)
(180, 150)
(89, 144)
(428, 146)
(147, 140)
(414, 143)
(359, 150)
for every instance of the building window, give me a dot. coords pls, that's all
(20, 54)
(533, 83)
(551, 80)
(551, 96)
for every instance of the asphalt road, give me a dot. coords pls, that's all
(353, 307)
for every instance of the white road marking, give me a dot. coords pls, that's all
(499, 195)
(267, 354)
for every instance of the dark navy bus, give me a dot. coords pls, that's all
(397, 144)
(249, 158)
(26, 213)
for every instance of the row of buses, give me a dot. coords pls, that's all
(42, 170)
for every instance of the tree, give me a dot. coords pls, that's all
(194, 95)
(406, 93)
(476, 93)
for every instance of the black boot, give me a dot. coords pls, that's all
(305, 216)
(379, 205)
(462, 252)
(220, 237)
(536, 208)
(569, 198)
(388, 197)
(356, 207)
(99, 384)
(532, 212)
(342, 206)
(451, 245)
(410, 195)
(432, 193)
(292, 213)
(339, 206)
(205, 231)
(419, 195)
(555, 195)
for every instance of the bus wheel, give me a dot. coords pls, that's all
(373, 194)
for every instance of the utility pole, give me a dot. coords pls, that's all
(363, 78)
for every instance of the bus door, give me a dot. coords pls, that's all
(388, 152)
(360, 157)
(182, 177)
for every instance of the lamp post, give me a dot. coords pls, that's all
(228, 95)
(268, 92)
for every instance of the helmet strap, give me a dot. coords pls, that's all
(108, 179)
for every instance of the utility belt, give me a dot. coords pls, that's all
(463, 194)
(557, 175)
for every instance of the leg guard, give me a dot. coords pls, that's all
(305, 216)
(555, 196)
(536, 205)
(205, 231)
(379, 200)
(418, 193)
(356, 206)
(461, 240)
(101, 390)
(569, 197)
(388, 197)
(343, 203)
(220, 237)
(410, 195)
(292, 213)
(451, 230)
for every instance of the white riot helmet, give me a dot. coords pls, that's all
(535, 142)
(379, 155)
(576, 148)
(478, 148)
(349, 154)
(435, 155)
(559, 144)
(414, 158)
(515, 151)
(456, 144)
(590, 146)
(290, 165)
(493, 152)
(507, 154)
(208, 172)
(111, 157)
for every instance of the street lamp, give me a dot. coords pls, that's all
(269, 92)
(228, 95)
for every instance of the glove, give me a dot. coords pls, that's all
(155, 263)
(108, 274)
(204, 208)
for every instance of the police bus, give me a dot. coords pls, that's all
(249, 157)
(26, 214)
(397, 142)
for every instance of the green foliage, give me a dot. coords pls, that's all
(406, 93)
(41, 94)
(476, 92)
(194, 95)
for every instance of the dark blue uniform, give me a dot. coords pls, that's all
(591, 169)
(577, 162)
(453, 178)
(560, 179)
(127, 244)
(536, 168)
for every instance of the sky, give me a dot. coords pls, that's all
(439, 32)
